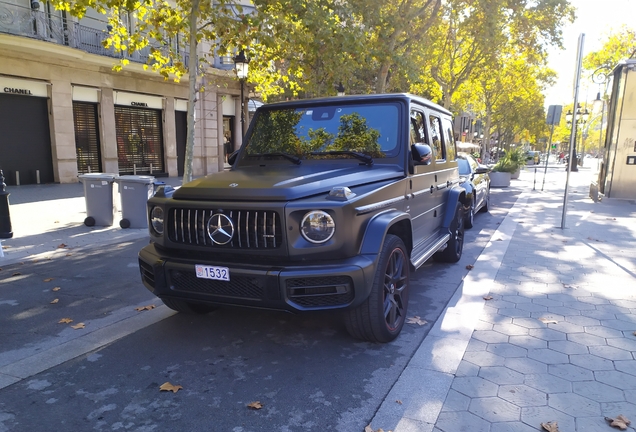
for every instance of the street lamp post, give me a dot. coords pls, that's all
(241, 64)
(579, 118)
(600, 76)
(340, 89)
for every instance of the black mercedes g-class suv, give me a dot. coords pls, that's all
(329, 204)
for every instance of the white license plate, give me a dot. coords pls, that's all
(212, 272)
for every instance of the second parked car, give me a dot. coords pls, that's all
(474, 178)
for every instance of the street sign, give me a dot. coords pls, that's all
(554, 114)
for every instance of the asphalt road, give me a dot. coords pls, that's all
(305, 370)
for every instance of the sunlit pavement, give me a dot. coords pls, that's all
(542, 329)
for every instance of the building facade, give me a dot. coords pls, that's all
(65, 112)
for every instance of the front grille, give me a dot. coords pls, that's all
(323, 291)
(248, 287)
(253, 229)
(147, 274)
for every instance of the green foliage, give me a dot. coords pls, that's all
(617, 46)
(511, 161)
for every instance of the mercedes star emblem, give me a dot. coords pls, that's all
(233, 184)
(220, 229)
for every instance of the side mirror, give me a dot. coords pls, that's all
(232, 157)
(422, 154)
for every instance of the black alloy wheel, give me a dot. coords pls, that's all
(486, 204)
(455, 245)
(381, 317)
(469, 220)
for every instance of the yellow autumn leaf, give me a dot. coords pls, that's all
(78, 326)
(167, 386)
(416, 320)
(550, 426)
(55, 301)
(143, 308)
(620, 422)
(255, 405)
(545, 320)
(65, 321)
(470, 267)
(48, 279)
(55, 289)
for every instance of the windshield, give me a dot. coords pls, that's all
(328, 131)
(464, 166)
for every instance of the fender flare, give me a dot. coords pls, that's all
(455, 195)
(377, 228)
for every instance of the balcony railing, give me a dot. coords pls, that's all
(53, 27)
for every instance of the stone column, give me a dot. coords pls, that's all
(170, 137)
(238, 132)
(219, 133)
(108, 137)
(62, 129)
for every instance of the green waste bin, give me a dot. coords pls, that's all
(134, 191)
(98, 193)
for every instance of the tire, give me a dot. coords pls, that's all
(381, 317)
(469, 219)
(455, 245)
(486, 205)
(187, 307)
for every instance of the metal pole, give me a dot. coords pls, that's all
(242, 112)
(577, 80)
(547, 156)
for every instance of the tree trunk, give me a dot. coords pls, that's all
(192, 69)
(485, 149)
(383, 73)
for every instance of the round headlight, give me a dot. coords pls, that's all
(156, 219)
(317, 226)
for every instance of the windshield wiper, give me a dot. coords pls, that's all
(361, 156)
(294, 159)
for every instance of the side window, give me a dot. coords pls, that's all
(450, 139)
(436, 137)
(418, 136)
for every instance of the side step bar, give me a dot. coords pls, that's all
(417, 259)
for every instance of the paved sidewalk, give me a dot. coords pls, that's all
(48, 220)
(555, 340)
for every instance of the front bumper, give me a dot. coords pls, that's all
(293, 288)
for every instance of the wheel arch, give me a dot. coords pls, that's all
(389, 222)
(455, 195)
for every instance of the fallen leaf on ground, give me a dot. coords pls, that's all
(398, 402)
(61, 246)
(610, 218)
(499, 239)
(635, 333)
(568, 286)
(69, 254)
(548, 320)
(55, 289)
(255, 405)
(78, 326)
(48, 279)
(170, 387)
(370, 429)
(34, 261)
(620, 422)
(65, 321)
(55, 301)
(143, 308)
(550, 426)
(16, 274)
(470, 267)
(416, 320)
(488, 298)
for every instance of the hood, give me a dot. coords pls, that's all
(282, 183)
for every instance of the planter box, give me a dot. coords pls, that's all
(499, 179)
(515, 175)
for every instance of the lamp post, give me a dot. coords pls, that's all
(579, 118)
(600, 76)
(241, 65)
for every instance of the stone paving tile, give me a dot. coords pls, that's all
(568, 347)
(547, 302)
(592, 424)
(611, 353)
(532, 307)
(598, 314)
(623, 343)
(510, 329)
(547, 356)
(604, 332)
(613, 409)
(476, 345)
(627, 366)
(586, 339)
(574, 404)
(514, 313)
(547, 383)
(501, 375)
(582, 320)
(455, 401)
(567, 327)
(526, 365)
(570, 372)
(483, 325)
(490, 336)
(529, 323)
(484, 358)
(461, 421)
(494, 409)
(522, 395)
(507, 350)
(474, 387)
(511, 427)
(629, 317)
(467, 368)
(547, 334)
(563, 310)
(534, 416)
(616, 379)
(527, 341)
(598, 391)
(591, 362)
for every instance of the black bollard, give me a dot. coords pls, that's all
(5, 217)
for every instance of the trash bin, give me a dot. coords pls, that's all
(98, 192)
(134, 191)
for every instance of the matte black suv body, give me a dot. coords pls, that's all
(329, 204)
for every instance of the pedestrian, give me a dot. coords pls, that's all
(561, 155)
